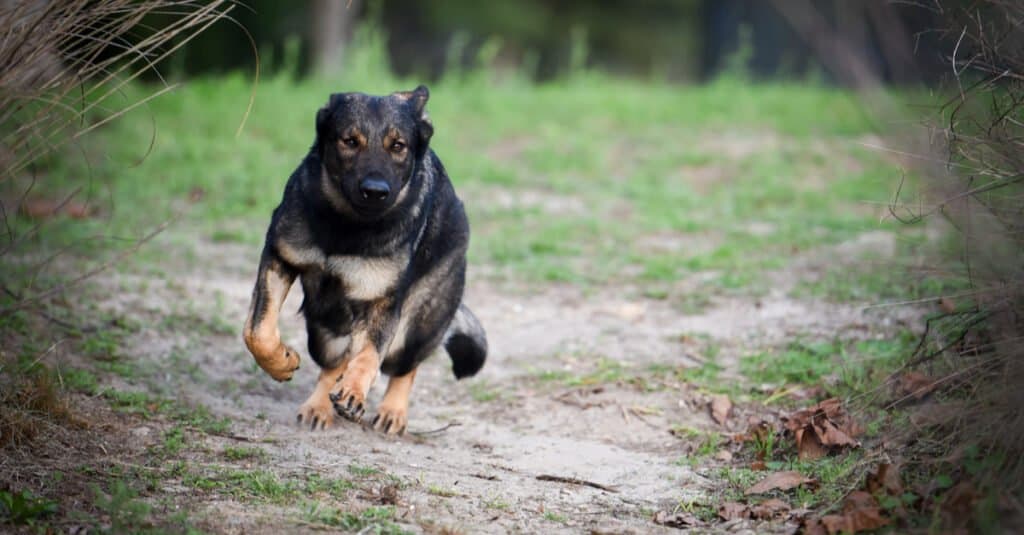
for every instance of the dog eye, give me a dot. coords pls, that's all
(350, 142)
(397, 146)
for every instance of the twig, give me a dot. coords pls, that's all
(575, 481)
(435, 431)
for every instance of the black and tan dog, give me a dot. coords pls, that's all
(371, 225)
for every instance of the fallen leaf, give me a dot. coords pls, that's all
(721, 406)
(808, 446)
(822, 428)
(780, 481)
(733, 510)
(812, 526)
(947, 305)
(758, 466)
(916, 385)
(860, 513)
(769, 509)
(885, 479)
(724, 455)
(677, 520)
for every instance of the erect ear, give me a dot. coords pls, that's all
(324, 118)
(417, 99)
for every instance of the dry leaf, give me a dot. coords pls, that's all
(886, 478)
(758, 466)
(733, 510)
(780, 481)
(677, 520)
(808, 446)
(721, 406)
(822, 428)
(724, 455)
(769, 509)
(860, 513)
(947, 305)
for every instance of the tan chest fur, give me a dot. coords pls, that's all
(364, 278)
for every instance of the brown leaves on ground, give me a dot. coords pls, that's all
(861, 512)
(721, 406)
(861, 509)
(821, 429)
(770, 509)
(779, 481)
(677, 520)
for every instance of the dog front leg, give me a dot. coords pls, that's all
(361, 369)
(261, 333)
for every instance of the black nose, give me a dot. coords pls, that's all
(374, 189)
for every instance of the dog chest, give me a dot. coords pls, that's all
(364, 278)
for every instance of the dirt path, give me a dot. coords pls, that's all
(577, 386)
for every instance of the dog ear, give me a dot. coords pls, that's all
(323, 120)
(418, 98)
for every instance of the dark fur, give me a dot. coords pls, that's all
(422, 227)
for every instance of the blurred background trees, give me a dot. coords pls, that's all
(679, 40)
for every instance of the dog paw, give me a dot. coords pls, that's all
(317, 412)
(282, 365)
(350, 401)
(391, 420)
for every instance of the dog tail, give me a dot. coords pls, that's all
(466, 343)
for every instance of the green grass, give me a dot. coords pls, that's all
(626, 176)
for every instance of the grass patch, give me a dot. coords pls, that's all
(377, 520)
(241, 453)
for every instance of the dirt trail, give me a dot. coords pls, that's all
(502, 428)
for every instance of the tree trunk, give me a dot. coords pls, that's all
(331, 27)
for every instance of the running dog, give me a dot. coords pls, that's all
(371, 226)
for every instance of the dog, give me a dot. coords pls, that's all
(371, 226)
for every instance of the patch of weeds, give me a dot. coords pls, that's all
(835, 475)
(798, 363)
(316, 483)
(703, 443)
(242, 453)
(377, 520)
(103, 345)
(201, 418)
(444, 492)
(126, 513)
(262, 484)
(551, 516)
(362, 470)
(608, 371)
(174, 441)
(496, 503)
(24, 508)
(738, 480)
(82, 381)
(705, 512)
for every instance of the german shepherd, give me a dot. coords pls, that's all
(371, 225)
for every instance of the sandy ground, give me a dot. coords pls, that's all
(493, 441)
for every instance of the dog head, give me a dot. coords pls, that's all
(370, 148)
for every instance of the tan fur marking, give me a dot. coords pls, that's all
(300, 256)
(393, 412)
(365, 278)
(264, 339)
(318, 410)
